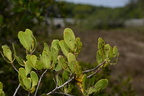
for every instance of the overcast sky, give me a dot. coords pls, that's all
(108, 3)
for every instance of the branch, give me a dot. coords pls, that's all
(86, 71)
(60, 86)
(16, 90)
(102, 64)
(40, 81)
(14, 67)
(62, 94)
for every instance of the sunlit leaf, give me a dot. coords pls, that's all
(64, 47)
(69, 38)
(26, 38)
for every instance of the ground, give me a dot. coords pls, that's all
(131, 47)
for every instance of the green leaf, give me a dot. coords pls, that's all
(20, 60)
(46, 51)
(78, 45)
(69, 38)
(32, 59)
(2, 93)
(28, 68)
(108, 51)
(55, 44)
(34, 43)
(58, 67)
(45, 58)
(46, 61)
(64, 47)
(115, 51)
(101, 43)
(101, 84)
(39, 65)
(99, 57)
(65, 75)
(84, 82)
(71, 57)
(7, 52)
(62, 62)
(34, 78)
(26, 38)
(77, 69)
(58, 80)
(1, 85)
(91, 90)
(22, 73)
(72, 66)
(27, 83)
(54, 54)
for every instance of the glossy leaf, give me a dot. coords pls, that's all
(69, 38)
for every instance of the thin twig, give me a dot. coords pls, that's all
(86, 71)
(60, 86)
(62, 94)
(14, 67)
(40, 81)
(16, 90)
(95, 71)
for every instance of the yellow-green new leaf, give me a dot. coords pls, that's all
(28, 68)
(34, 78)
(26, 38)
(7, 52)
(22, 73)
(69, 38)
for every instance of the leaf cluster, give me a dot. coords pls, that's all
(60, 57)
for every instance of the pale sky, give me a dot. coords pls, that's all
(108, 3)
